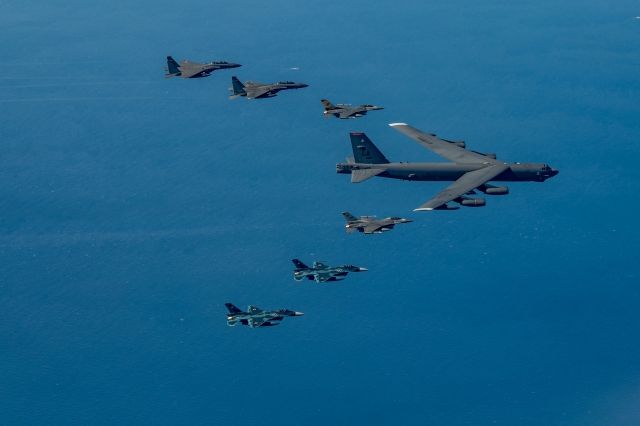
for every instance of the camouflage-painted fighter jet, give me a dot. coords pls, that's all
(322, 273)
(344, 111)
(188, 69)
(256, 317)
(255, 90)
(369, 225)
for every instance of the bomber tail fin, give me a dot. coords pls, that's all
(232, 308)
(349, 217)
(237, 89)
(172, 67)
(364, 151)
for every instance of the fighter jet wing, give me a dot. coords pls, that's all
(443, 148)
(348, 113)
(190, 71)
(468, 182)
(370, 229)
(256, 322)
(256, 92)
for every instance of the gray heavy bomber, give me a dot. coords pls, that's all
(256, 317)
(188, 69)
(321, 273)
(255, 90)
(369, 225)
(344, 111)
(470, 170)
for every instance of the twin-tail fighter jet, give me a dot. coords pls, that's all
(369, 225)
(469, 170)
(322, 273)
(256, 317)
(255, 90)
(344, 111)
(188, 69)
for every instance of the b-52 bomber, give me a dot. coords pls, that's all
(344, 111)
(256, 317)
(470, 170)
(255, 90)
(369, 225)
(188, 69)
(322, 273)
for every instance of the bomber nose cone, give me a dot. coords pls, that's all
(554, 171)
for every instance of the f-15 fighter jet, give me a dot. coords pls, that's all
(322, 273)
(369, 225)
(188, 69)
(255, 90)
(256, 317)
(469, 170)
(344, 111)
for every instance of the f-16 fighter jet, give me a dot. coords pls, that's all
(322, 273)
(470, 170)
(369, 225)
(343, 111)
(188, 69)
(256, 317)
(255, 90)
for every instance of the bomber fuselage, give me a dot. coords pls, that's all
(517, 172)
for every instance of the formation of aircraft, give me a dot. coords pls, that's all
(188, 69)
(321, 273)
(468, 170)
(345, 111)
(255, 90)
(256, 317)
(369, 225)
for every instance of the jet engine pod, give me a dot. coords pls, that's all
(473, 202)
(498, 190)
(493, 190)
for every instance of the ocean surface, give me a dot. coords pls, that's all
(133, 207)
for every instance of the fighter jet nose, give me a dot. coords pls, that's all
(299, 314)
(304, 85)
(362, 270)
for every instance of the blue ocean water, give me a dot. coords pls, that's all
(132, 208)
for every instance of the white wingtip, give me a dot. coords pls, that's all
(422, 210)
(397, 124)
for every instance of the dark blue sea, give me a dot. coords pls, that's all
(133, 207)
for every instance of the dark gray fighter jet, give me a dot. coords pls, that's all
(322, 273)
(470, 170)
(369, 225)
(256, 317)
(188, 69)
(255, 90)
(344, 111)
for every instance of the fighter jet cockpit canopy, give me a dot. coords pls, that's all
(285, 82)
(217, 63)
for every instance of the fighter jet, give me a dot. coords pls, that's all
(344, 111)
(255, 90)
(322, 273)
(188, 69)
(256, 317)
(369, 225)
(470, 170)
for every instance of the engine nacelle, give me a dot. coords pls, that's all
(461, 144)
(473, 202)
(493, 190)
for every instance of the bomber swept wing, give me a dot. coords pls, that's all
(469, 181)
